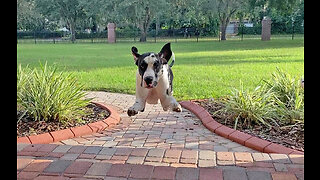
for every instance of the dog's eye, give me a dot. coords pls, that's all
(143, 66)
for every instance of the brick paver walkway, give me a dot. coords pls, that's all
(152, 145)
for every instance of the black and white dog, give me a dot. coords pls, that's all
(154, 80)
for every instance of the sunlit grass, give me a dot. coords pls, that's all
(202, 70)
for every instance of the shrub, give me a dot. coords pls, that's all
(48, 95)
(250, 107)
(279, 101)
(288, 96)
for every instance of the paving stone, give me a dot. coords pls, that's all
(170, 160)
(243, 157)
(27, 175)
(156, 153)
(93, 150)
(188, 161)
(183, 173)
(210, 173)
(77, 149)
(62, 149)
(103, 157)
(107, 151)
(234, 174)
(110, 144)
(47, 147)
(173, 153)
(220, 148)
(70, 156)
(296, 158)
(58, 166)
(280, 158)
(135, 160)
(38, 165)
(258, 175)
(261, 157)
(283, 176)
(163, 172)
(86, 156)
(139, 152)
(141, 172)
(21, 146)
(123, 151)
(207, 163)
(119, 170)
(23, 162)
(78, 167)
(203, 154)
(189, 154)
(99, 169)
(225, 156)
(45, 177)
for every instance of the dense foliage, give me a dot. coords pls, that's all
(45, 94)
(211, 16)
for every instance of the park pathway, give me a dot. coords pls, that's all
(152, 145)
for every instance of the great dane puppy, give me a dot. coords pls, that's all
(154, 80)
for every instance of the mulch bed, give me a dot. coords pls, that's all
(291, 136)
(26, 126)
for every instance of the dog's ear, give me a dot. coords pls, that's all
(135, 54)
(165, 53)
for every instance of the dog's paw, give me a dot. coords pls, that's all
(165, 108)
(177, 108)
(132, 112)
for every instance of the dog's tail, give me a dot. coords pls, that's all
(173, 59)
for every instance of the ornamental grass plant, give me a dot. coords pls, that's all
(48, 95)
(278, 101)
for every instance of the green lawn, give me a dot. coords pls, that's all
(202, 70)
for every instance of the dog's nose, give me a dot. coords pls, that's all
(148, 80)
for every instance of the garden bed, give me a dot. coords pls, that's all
(26, 126)
(291, 136)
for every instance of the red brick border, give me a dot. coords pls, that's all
(64, 134)
(235, 135)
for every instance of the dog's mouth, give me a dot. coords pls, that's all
(149, 86)
(152, 85)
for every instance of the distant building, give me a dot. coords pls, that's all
(232, 27)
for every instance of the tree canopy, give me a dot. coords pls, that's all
(141, 14)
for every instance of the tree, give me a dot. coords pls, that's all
(67, 10)
(285, 14)
(27, 16)
(226, 10)
(140, 13)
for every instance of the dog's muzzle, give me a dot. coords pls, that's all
(149, 82)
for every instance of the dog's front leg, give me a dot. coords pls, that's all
(168, 101)
(141, 97)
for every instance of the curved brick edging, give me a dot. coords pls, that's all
(235, 135)
(98, 126)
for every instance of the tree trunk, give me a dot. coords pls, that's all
(73, 31)
(144, 25)
(143, 36)
(223, 28)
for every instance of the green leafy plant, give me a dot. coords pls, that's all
(288, 96)
(48, 95)
(279, 101)
(250, 107)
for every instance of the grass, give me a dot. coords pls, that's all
(202, 70)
